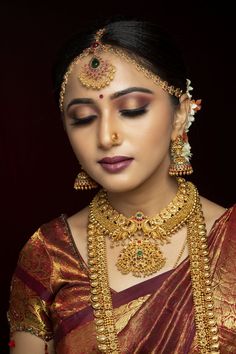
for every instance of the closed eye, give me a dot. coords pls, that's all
(134, 112)
(81, 121)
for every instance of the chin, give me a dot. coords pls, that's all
(120, 185)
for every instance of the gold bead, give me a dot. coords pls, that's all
(101, 338)
(92, 261)
(214, 330)
(215, 338)
(96, 306)
(102, 347)
(206, 267)
(212, 323)
(93, 276)
(94, 284)
(97, 313)
(215, 346)
(100, 329)
(210, 314)
(99, 321)
(95, 298)
(108, 313)
(210, 306)
(208, 298)
(207, 275)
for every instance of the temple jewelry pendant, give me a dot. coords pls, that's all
(141, 258)
(98, 73)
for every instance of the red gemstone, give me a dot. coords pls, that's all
(12, 344)
(95, 44)
(185, 136)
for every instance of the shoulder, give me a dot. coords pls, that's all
(211, 211)
(40, 243)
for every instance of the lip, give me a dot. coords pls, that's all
(114, 159)
(116, 167)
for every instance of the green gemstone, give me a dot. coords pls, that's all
(95, 62)
(139, 253)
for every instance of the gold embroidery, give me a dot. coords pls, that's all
(124, 313)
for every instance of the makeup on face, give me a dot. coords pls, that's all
(131, 102)
(114, 96)
(116, 166)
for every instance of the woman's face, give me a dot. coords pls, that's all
(135, 108)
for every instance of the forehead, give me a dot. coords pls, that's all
(126, 75)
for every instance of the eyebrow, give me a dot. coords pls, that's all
(112, 97)
(129, 90)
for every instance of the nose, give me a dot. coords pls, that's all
(109, 132)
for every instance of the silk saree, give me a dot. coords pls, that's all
(50, 297)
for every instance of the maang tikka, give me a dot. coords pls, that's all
(98, 72)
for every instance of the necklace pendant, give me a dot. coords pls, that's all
(141, 258)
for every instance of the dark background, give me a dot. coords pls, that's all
(37, 164)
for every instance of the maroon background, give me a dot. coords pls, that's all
(37, 164)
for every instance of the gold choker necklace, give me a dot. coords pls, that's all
(142, 255)
(104, 221)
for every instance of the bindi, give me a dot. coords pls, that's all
(101, 96)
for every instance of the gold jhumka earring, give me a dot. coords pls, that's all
(180, 155)
(84, 181)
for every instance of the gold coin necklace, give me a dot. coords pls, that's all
(142, 256)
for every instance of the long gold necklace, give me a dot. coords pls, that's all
(104, 222)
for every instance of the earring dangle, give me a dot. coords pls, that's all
(84, 181)
(180, 156)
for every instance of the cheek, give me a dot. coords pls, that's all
(155, 132)
(79, 143)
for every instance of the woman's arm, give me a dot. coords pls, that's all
(26, 343)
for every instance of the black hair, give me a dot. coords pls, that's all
(144, 40)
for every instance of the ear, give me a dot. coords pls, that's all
(180, 117)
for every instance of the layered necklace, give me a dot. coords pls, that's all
(142, 238)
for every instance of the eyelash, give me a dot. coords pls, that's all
(124, 112)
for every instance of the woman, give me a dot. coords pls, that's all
(149, 265)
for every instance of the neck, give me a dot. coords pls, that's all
(150, 198)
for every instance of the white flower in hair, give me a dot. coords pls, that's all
(186, 152)
(194, 106)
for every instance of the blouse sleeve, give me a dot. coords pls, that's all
(30, 293)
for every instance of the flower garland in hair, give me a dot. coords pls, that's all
(195, 106)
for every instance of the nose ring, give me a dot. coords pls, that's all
(114, 137)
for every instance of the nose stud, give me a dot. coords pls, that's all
(114, 137)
